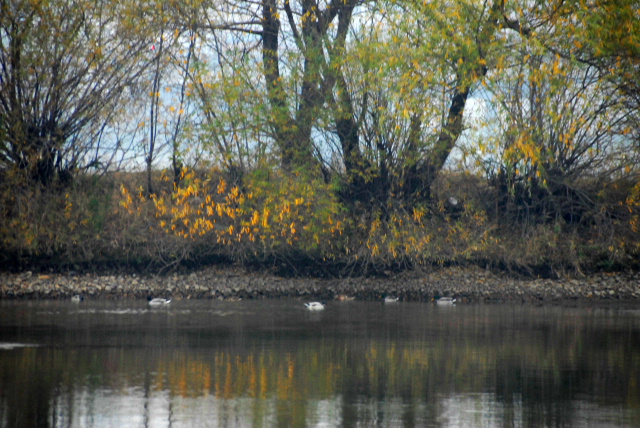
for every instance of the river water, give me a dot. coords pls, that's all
(272, 363)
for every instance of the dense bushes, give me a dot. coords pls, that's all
(295, 223)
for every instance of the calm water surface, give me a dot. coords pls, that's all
(274, 364)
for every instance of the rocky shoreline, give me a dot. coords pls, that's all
(466, 284)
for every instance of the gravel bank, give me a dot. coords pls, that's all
(466, 284)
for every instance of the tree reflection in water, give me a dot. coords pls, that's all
(265, 364)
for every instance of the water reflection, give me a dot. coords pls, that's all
(271, 363)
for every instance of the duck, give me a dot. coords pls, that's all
(158, 301)
(391, 299)
(314, 306)
(344, 298)
(445, 301)
(77, 298)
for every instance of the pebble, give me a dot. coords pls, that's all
(470, 284)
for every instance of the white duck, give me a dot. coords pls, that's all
(158, 301)
(314, 306)
(445, 301)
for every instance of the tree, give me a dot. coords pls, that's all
(604, 34)
(318, 40)
(555, 125)
(64, 67)
(564, 123)
(295, 43)
(406, 106)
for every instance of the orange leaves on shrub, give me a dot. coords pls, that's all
(263, 215)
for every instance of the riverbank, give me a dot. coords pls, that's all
(466, 284)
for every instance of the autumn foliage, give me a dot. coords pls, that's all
(326, 137)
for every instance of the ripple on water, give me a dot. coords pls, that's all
(8, 346)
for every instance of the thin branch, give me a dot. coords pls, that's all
(292, 23)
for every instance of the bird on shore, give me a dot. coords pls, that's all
(158, 301)
(77, 298)
(445, 301)
(314, 306)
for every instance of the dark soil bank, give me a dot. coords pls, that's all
(466, 284)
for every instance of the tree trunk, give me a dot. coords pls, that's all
(271, 69)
